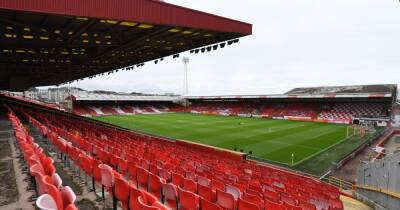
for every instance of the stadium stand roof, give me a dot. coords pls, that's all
(115, 97)
(357, 91)
(47, 42)
(372, 89)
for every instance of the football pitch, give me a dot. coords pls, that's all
(273, 140)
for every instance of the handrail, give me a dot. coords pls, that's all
(387, 192)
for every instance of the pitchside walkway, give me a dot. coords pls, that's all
(352, 204)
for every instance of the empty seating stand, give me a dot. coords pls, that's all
(98, 109)
(146, 172)
(48, 184)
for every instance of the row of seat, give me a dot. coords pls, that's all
(188, 170)
(48, 184)
(350, 110)
(324, 111)
(98, 110)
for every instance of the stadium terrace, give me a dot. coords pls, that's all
(316, 148)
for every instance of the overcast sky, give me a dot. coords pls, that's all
(294, 44)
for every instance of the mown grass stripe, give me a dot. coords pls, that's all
(274, 140)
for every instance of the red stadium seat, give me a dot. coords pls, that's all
(68, 196)
(122, 191)
(153, 168)
(288, 200)
(155, 185)
(226, 200)
(177, 179)
(207, 193)
(170, 194)
(274, 206)
(253, 199)
(46, 201)
(133, 198)
(142, 178)
(107, 178)
(306, 206)
(53, 192)
(49, 168)
(272, 196)
(190, 185)
(245, 205)
(203, 181)
(132, 171)
(188, 200)
(292, 207)
(217, 185)
(207, 205)
(57, 181)
(114, 159)
(146, 205)
(165, 175)
(96, 173)
(38, 172)
(122, 166)
(233, 191)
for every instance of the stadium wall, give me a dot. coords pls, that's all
(379, 181)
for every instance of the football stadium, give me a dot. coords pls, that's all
(327, 147)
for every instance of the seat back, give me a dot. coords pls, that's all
(272, 196)
(133, 198)
(306, 206)
(122, 190)
(53, 192)
(155, 185)
(132, 170)
(245, 205)
(190, 185)
(207, 205)
(225, 200)
(107, 176)
(142, 177)
(68, 196)
(233, 190)
(45, 201)
(292, 207)
(188, 200)
(203, 181)
(122, 166)
(177, 179)
(206, 193)
(144, 206)
(253, 199)
(57, 181)
(165, 174)
(273, 205)
(96, 170)
(215, 184)
(170, 194)
(38, 172)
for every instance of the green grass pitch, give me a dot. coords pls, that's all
(274, 140)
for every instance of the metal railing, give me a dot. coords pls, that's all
(340, 183)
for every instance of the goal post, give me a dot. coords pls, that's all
(355, 130)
